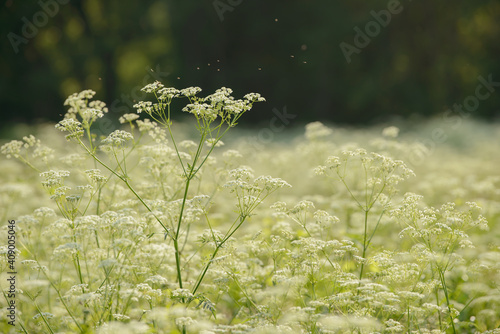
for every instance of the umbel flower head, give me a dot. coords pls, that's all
(116, 139)
(201, 110)
(206, 110)
(88, 111)
(251, 191)
(81, 113)
(72, 126)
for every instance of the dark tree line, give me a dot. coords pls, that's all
(350, 62)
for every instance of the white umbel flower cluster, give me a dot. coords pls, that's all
(390, 132)
(316, 130)
(81, 108)
(117, 138)
(72, 126)
(249, 191)
(128, 118)
(206, 110)
(201, 110)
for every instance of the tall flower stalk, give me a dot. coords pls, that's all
(374, 183)
(214, 115)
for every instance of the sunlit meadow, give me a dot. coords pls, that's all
(164, 226)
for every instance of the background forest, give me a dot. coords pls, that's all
(339, 61)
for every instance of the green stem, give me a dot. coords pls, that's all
(41, 313)
(61, 298)
(409, 319)
(178, 262)
(177, 232)
(184, 198)
(439, 313)
(365, 246)
(189, 176)
(445, 289)
(218, 246)
(78, 268)
(202, 274)
(126, 183)
(29, 164)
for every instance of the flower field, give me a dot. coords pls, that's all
(163, 226)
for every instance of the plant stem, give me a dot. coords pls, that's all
(365, 245)
(126, 183)
(445, 290)
(40, 312)
(202, 274)
(242, 219)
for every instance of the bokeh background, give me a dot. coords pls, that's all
(425, 59)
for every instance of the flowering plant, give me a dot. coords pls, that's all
(148, 229)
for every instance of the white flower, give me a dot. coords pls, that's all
(317, 130)
(242, 173)
(53, 179)
(182, 293)
(232, 154)
(44, 212)
(146, 125)
(76, 99)
(270, 183)
(166, 94)
(220, 96)
(12, 149)
(70, 248)
(121, 317)
(153, 87)
(302, 206)
(128, 118)
(391, 132)
(254, 97)
(333, 162)
(98, 105)
(188, 145)
(95, 175)
(117, 138)
(279, 206)
(90, 115)
(31, 141)
(393, 325)
(72, 126)
(190, 91)
(184, 321)
(157, 279)
(236, 106)
(144, 106)
(324, 217)
(202, 110)
(214, 142)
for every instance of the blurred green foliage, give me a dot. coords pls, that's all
(427, 58)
